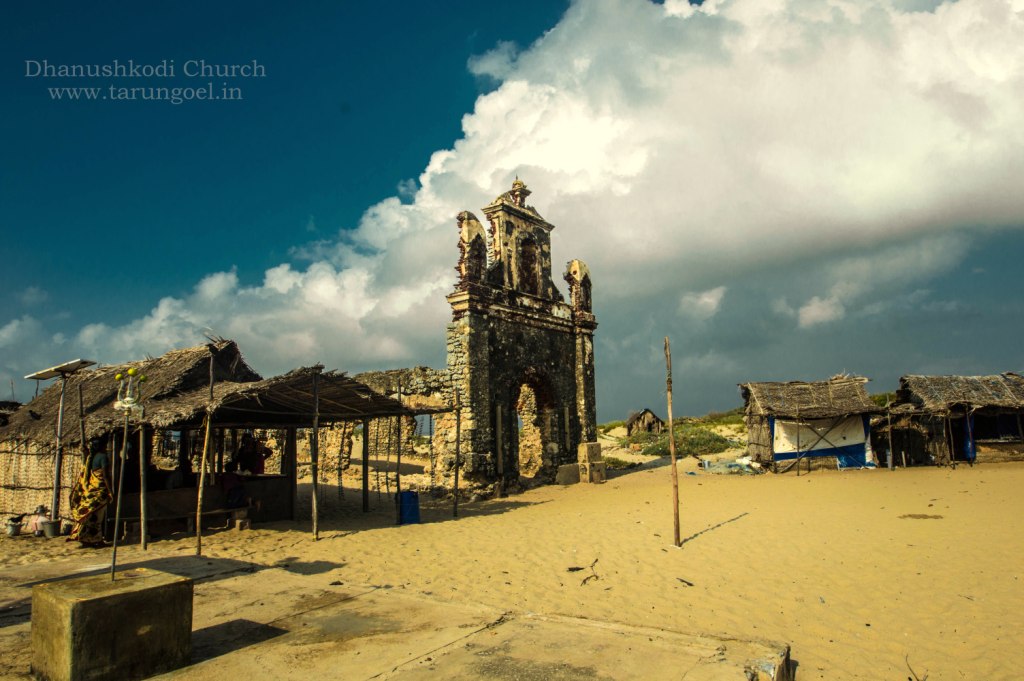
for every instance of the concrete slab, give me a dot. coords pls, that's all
(385, 634)
(533, 647)
(93, 627)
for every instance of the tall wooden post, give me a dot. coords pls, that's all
(672, 445)
(799, 454)
(366, 465)
(398, 464)
(314, 452)
(892, 452)
(143, 524)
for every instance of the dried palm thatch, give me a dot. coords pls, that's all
(176, 395)
(168, 378)
(942, 394)
(839, 396)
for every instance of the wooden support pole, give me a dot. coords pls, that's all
(366, 465)
(314, 453)
(59, 453)
(398, 464)
(799, 455)
(672, 445)
(202, 484)
(290, 461)
(143, 524)
(948, 427)
(970, 436)
(458, 450)
(81, 426)
(892, 452)
(120, 488)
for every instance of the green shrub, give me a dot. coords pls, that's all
(618, 464)
(691, 440)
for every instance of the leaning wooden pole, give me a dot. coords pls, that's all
(314, 452)
(120, 487)
(672, 444)
(202, 465)
(58, 454)
(202, 485)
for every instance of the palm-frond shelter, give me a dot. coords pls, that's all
(644, 421)
(945, 419)
(824, 421)
(183, 389)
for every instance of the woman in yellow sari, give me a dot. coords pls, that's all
(90, 497)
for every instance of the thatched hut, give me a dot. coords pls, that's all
(184, 388)
(824, 422)
(644, 421)
(945, 419)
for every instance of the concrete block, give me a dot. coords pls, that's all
(243, 524)
(89, 628)
(588, 452)
(595, 472)
(569, 474)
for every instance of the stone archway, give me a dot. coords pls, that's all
(535, 436)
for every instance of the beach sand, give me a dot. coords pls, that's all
(859, 571)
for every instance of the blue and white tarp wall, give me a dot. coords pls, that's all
(848, 438)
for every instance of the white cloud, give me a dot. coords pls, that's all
(702, 305)
(820, 310)
(683, 142)
(496, 63)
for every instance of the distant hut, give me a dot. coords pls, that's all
(645, 421)
(945, 419)
(824, 422)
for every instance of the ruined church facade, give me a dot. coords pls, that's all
(520, 357)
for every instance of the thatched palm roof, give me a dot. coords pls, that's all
(939, 394)
(176, 395)
(169, 376)
(840, 396)
(282, 401)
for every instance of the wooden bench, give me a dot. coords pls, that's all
(239, 517)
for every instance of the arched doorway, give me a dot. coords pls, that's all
(535, 433)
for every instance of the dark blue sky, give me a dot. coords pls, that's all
(787, 194)
(149, 196)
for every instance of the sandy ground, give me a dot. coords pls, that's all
(859, 571)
